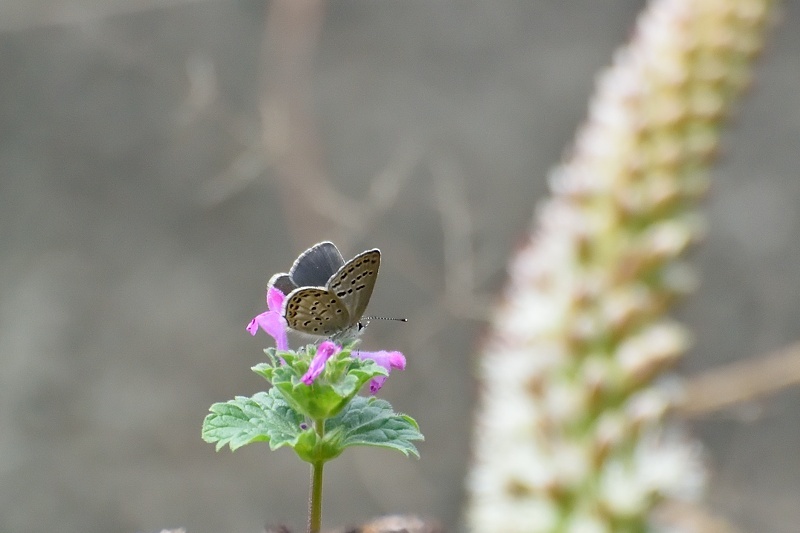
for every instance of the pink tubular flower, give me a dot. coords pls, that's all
(387, 360)
(271, 321)
(325, 351)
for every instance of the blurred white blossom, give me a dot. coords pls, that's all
(570, 432)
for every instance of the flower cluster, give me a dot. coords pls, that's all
(570, 432)
(273, 323)
(312, 405)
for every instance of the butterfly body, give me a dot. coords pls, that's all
(326, 296)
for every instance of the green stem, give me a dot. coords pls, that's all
(315, 497)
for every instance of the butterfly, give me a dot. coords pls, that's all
(326, 296)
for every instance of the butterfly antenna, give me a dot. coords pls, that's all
(385, 318)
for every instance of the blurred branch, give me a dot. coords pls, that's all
(457, 232)
(289, 135)
(383, 190)
(742, 381)
(245, 168)
(459, 298)
(290, 144)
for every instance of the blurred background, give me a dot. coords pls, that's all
(160, 159)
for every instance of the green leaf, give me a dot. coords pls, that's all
(265, 370)
(282, 363)
(371, 422)
(264, 417)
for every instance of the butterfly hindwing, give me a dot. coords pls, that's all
(283, 282)
(316, 265)
(354, 282)
(316, 311)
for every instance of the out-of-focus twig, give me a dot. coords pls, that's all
(742, 381)
(290, 145)
(457, 229)
(289, 135)
(383, 191)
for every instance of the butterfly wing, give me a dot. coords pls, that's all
(316, 265)
(354, 282)
(316, 311)
(283, 282)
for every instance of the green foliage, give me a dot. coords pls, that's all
(341, 380)
(319, 421)
(371, 422)
(264, 417)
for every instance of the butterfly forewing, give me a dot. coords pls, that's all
(316, 311)
(316, 265)
(354, 282)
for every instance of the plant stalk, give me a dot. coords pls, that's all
(315, 496)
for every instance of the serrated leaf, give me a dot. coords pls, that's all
(280, 363)
(264, 417)
(264, 370)
(371, 422)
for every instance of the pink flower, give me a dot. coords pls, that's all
(387, 360)
(272, 321)
(325, 351)
(328, 349)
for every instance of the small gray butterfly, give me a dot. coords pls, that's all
(326, 296)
